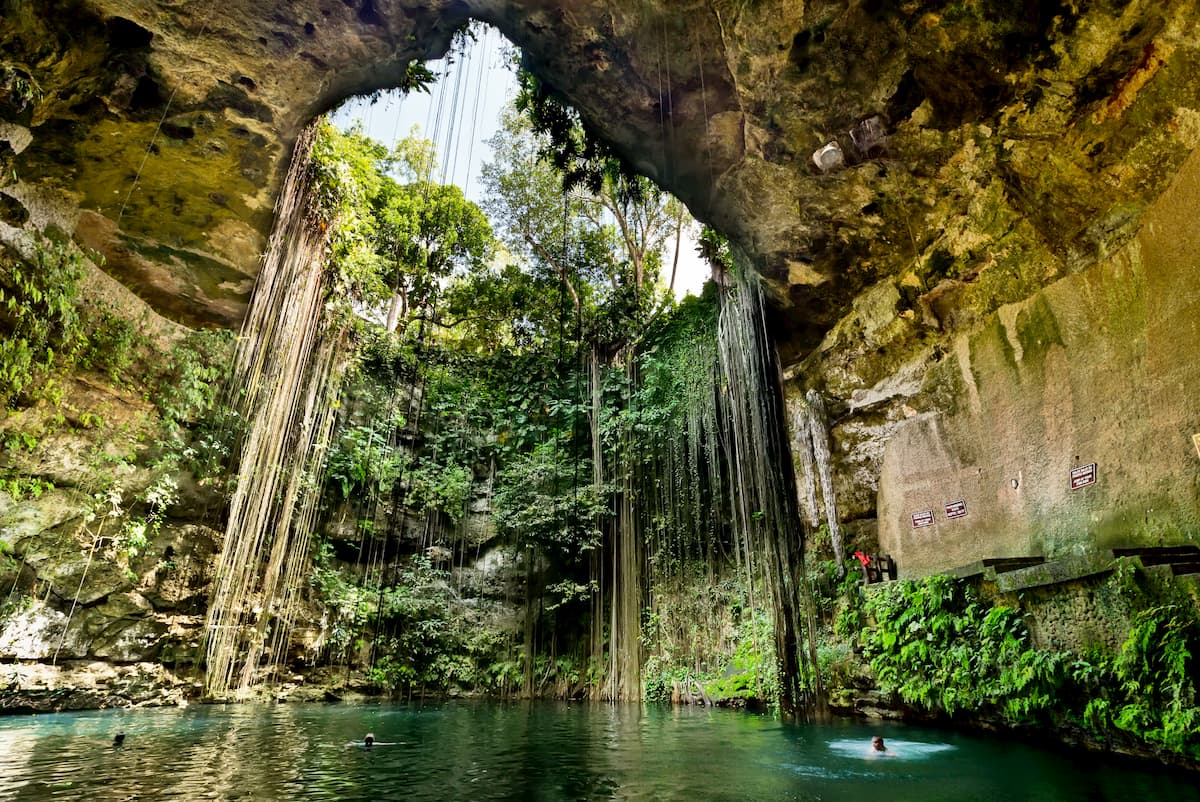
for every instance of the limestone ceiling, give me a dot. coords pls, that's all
(972, 151)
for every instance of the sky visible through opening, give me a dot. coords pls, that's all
(461, 112)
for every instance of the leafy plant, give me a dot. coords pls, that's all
(137, 531)
(363, 459)
(188, 386)
(37, 312)
(22, 488)
(109, 344)
(1152, 692)
(18, 88)
(443, 489)
(936, 646)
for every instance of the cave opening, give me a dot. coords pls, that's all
(522, 380)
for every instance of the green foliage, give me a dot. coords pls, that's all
(752, 673)
(714, 249)
(836, 664)
(934, 644)
(136, 532)
(51, 329)
(1149, 689)
(109, 344)
(851, 616)
(424, 639)
(16, 440)
(363, 459)
(23, 488)
(745, 676)
(705, 631)
(569, 144)
(190, 381)
(542, 501)
(599, 248)
(38, 314)
(937, 647)
(658, 679)
(393, 240)
(490, 375)
(210, 449)
(424, 232)
(440, 488)
(160, 495)
(348, 605)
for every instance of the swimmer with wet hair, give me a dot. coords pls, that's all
(369, 741)
(877, 744)
(119, 739)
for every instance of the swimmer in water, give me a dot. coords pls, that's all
(119, 739)
(368, 742)
(877, 745)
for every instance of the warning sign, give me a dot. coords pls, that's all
(956, 509)
(922, 518)
(1083, 476)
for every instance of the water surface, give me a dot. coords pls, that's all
(540, 751)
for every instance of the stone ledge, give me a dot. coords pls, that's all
(990, 567)
(1057, 572)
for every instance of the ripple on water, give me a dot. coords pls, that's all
(896, 748)
(483, 751)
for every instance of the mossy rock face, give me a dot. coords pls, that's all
(1094, 369)
(122, 630)
(998, 138)
(22, 522)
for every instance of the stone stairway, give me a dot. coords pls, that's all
(1019, 573)
(1183, 560)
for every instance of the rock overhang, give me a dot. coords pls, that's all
(1001, 134)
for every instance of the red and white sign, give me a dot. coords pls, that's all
(922, 518)
(956, 509)
(1083, 476)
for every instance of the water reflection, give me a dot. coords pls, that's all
(527, 752)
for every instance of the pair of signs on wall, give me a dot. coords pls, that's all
(1082, 476)
(954, 509)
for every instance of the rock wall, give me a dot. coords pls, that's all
(981, 150)
(943, 270)
(1097, 368)
(1017, 344)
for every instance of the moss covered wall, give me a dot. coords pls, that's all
(1098, 367)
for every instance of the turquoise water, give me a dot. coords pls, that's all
(541, 751)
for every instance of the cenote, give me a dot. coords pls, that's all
(620, 366)
(531, 751)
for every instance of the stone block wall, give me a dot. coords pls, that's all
(1099, 367)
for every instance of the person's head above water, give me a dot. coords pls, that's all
(370, 739)
(118, 739)
(877, 744)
